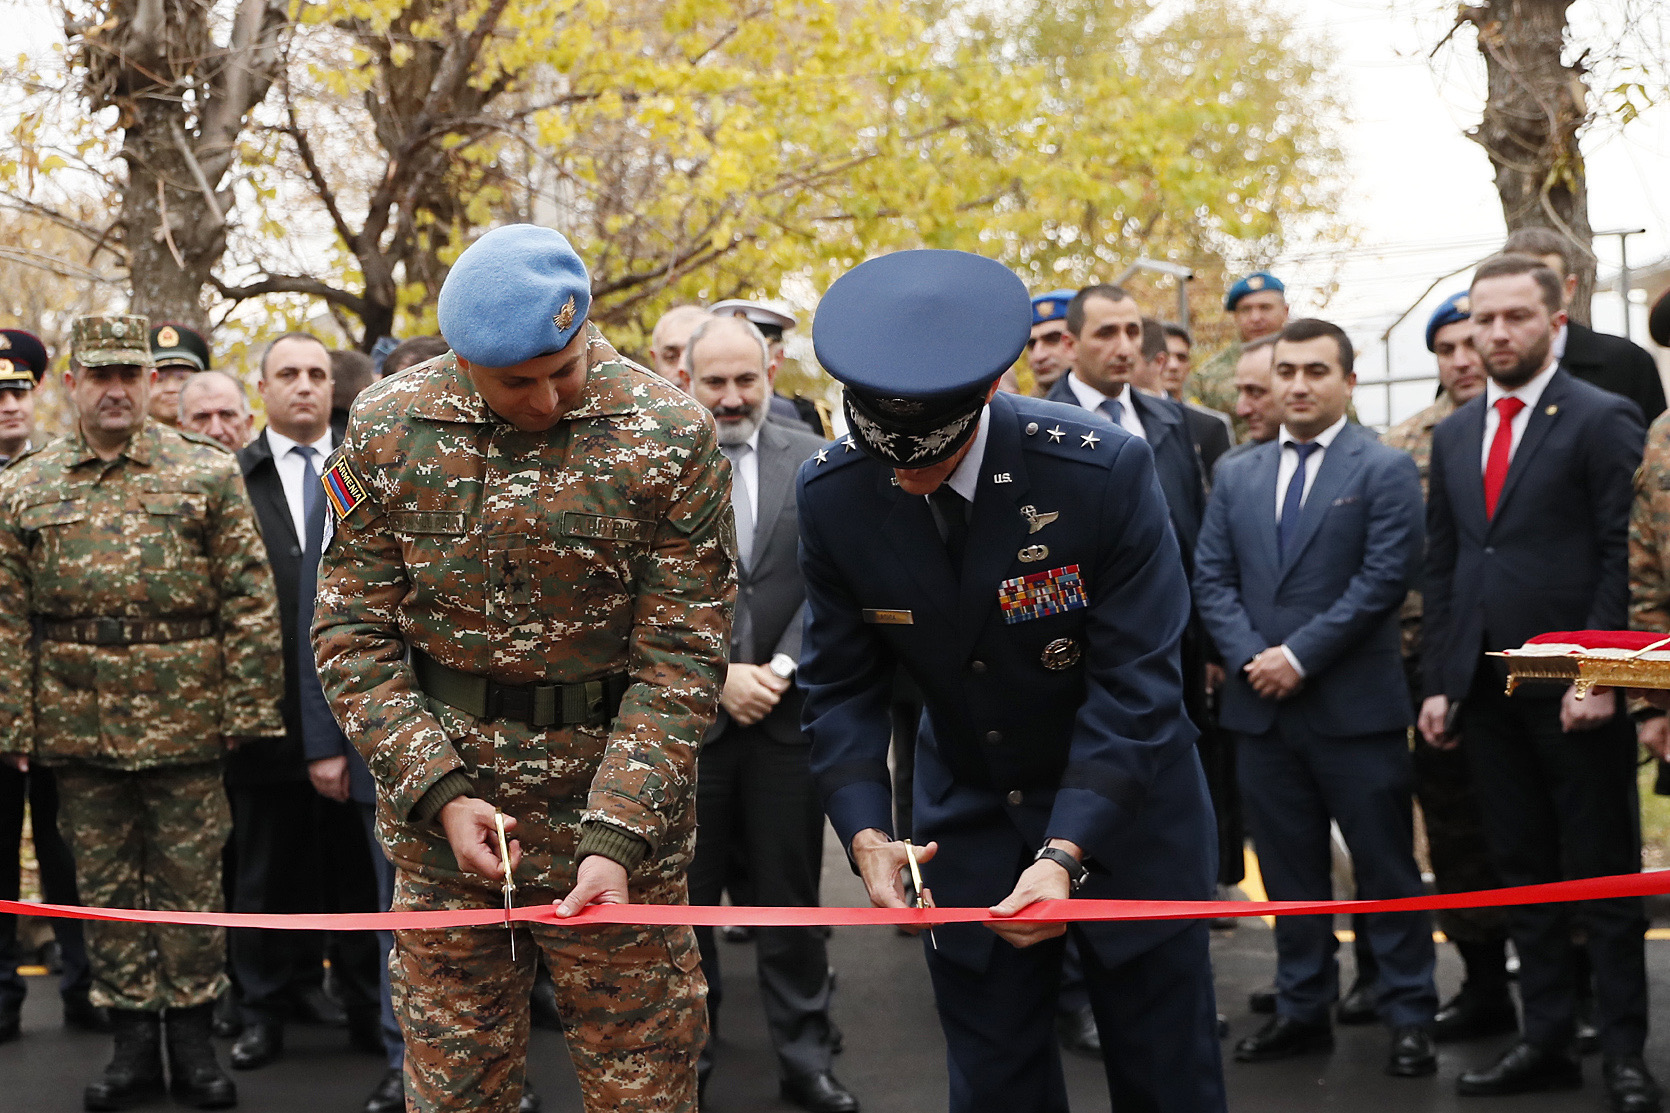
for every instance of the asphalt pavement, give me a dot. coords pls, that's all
(894, 1054)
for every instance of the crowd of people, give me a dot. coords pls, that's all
(660, 624)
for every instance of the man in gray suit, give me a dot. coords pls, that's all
(754, 791)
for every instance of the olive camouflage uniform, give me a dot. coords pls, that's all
(149, 585)
(603, 546)
(1649, 534)
(1454, 828)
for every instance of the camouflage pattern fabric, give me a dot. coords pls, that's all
(1443, 782)
(163, 532)
(633, 1003)
(149, 839)
(604, 545)
(97, 341)
(1649, 534)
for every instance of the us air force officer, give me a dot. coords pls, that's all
(1309, 545)
(1036, 595)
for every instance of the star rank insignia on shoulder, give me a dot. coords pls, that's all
(833, 457)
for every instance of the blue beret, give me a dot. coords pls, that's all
(518, 292)
(1252, 284)
(22, 358)
(1457, 307)
(1051, 306)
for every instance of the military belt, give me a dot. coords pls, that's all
(106, 630)
(587, 703)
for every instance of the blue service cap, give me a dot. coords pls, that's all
(1252, 284)
(1051, 306)
(1457, 307)
(917, 337)
(518, 292)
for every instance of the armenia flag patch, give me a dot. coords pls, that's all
(1041, 594)
(343, 487)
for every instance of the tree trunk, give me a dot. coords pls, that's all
(1533, 113)
(158, 222)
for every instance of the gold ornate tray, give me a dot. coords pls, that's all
(1621, 659)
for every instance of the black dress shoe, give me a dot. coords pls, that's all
(1524, 1068)
(390, 1094)
(1076, 1030)
(1262, 1001)
(262, 1043)
(1473, 1016)
(81, 1013)
(819, 1093)
(1412, 1054)
(1630, 1087)
(1357, 1006)
(530, 1102)
(1283, 1038)
(228, 1023)
(314, 1006)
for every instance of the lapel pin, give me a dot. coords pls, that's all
(1033, 553)
(1552, 410)
(1036, 521)
(1031, 428)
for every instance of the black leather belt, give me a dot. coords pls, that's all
(106, 630)
(542, 705)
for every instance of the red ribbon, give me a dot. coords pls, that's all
(1044, 912)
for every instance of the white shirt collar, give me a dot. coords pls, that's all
(1529, 394)
(966, 479)
(1559, 345)
(1089, 397)
(281, 445)
(1324, 438)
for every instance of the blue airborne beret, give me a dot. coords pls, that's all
(1457, 307)
(1051, 306)
(917, 338)
(518, 292)
(1252, 284)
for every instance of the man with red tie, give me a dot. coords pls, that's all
(1528, 520)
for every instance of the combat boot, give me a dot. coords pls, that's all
(134, 1075)
(195, 1075)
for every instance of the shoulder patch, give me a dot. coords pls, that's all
(832, 457)
(343, 485)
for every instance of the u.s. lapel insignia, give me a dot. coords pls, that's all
(1551, 410)
(1061, 654)
(1036, 521)
(1033, 553)
(564, 316)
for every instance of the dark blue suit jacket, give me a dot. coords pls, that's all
(1332, 598)
(1556, 554)
(321, 737)
(1011, 752)
(1175, 460)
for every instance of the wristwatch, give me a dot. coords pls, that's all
(782, 666)
(1076, 873)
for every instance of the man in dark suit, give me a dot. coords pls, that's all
(1530, 493)
(294, 851)
(1609, 362)
(1037, 596)
(1212, 431)
(754, 793)
(1310, 543)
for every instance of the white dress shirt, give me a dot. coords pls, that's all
(291, 470)
(1530, 394)
(966, 479)
(1284, 475)
(1091, 399)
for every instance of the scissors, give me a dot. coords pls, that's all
(509, 885)
(916, 879)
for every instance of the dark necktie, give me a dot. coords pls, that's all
(1501, 453)
(1115, 409)
(1294, 500)
(951, 516)
(312, 497)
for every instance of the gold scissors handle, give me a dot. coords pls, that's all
(509, 883)
(916, 879)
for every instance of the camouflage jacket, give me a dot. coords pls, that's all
(163, 532)
(605, 545)
(1414, 436)
(1649, 534)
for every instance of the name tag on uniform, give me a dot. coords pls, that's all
(1041, 594)
(888, 618)
(443, 523)
(606, 529)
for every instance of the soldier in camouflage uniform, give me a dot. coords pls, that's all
(1455, 837)
(1649, 552)
(524, 608)
(133, 549)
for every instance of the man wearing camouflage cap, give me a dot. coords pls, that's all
(179, 352)
(523, 611)
(133, 550)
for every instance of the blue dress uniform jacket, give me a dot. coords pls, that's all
(1012, 751)
(1333, 599)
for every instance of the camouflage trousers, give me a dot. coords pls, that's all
(633, 1003)
(149, 839)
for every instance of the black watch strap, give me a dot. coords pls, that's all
(1076, 873)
